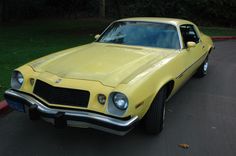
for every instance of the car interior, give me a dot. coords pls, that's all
(189, 34)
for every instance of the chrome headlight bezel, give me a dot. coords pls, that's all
(17, 80)
(120, 101)
(114, 107)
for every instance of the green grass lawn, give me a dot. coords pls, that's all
(217, 31)
(25, 41)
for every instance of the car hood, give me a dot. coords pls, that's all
(109, 64)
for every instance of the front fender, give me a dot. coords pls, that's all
(141, 93)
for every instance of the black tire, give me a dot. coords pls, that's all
(154, 118)
(203, 69)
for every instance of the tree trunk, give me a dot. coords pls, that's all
(118, 8)
(3, 13)
(102, 9)
(1, 10)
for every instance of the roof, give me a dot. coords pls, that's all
(173, 21)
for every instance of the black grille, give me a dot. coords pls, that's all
(61, 96)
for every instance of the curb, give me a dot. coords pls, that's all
(219, 38)
(3, 107)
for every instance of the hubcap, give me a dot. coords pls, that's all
(205, 67)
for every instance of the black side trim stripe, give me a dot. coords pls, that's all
(181, 74)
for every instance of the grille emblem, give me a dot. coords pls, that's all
(58, 81)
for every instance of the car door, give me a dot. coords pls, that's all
(190, 57)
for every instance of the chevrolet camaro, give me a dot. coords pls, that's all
(125, 76)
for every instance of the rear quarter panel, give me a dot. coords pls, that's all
(207, 41)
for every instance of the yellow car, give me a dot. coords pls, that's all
(125, 76)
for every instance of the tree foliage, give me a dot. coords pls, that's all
(205, 12)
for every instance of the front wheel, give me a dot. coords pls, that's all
(154, 119)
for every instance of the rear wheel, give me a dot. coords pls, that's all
(203, 69)
(154, 119)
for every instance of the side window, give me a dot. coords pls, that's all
(189, 34)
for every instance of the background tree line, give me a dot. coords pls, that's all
(204, 12)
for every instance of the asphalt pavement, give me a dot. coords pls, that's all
(202, 114)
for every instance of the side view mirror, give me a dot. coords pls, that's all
(191, 44)
(97, 36)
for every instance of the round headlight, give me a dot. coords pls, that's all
(120, 101)
(17, 80)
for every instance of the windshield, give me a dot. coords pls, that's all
(147, 34)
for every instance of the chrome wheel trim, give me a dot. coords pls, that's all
(163, 116)
(205, 67)
(164, 113)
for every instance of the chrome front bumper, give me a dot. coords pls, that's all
(73, 118)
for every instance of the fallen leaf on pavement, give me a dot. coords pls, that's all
(185, 146)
